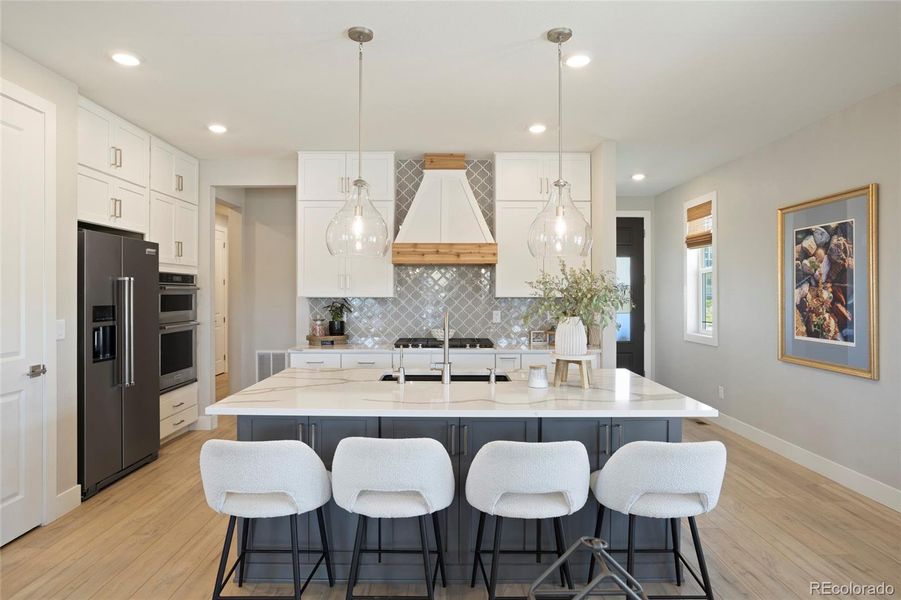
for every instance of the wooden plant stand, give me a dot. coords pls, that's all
(561, 370)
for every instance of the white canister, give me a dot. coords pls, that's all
(538, 377)
(570, 337)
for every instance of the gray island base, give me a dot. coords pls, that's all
(323, 407)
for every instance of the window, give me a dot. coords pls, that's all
(700, 270)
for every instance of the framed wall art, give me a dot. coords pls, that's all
(828, 283)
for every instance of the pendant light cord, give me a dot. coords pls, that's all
(559, 111)
(360, 116)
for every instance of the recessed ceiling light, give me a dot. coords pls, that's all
(126, 60)
(638, 177)
(537, 128)
(577, 61)
(217, 128)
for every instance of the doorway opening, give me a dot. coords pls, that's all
(226, 281)
(633, 349)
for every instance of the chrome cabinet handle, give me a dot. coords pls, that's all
(119, 157)
(452, 435)
(465, 440)
(313, 436)
(112, 207)
(119, 207)
(177, 405)
(365, 362)
(112, 155)
(604, 442)
(177, 423)
(315, 362)
(300, 431)
(619, 429)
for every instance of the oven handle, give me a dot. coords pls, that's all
(179, 326)
(180, 288)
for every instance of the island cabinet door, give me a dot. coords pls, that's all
(404, 533)
(323, 435)
(649, 533)
(275, 533)
(595, 434)
(517, 534)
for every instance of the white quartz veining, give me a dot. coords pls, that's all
(388, 348)
(358, 392)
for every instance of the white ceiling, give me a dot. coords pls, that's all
(682, 87)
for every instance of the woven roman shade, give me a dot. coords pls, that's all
(700, 225)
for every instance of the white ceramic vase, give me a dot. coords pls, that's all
(570, 337)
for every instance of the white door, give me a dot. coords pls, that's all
(520, 176)
(378, 171)
(95, 203)
(95, 137)
(22, 319)
(133, 145)
(162, 167)
(162, 225)
(322, 176)
(186, 170)
(321, 274)
(186, 230)
(372, 277)
(515, 264)
(131, 201)
(221, 299)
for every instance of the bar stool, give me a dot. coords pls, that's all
(262, 480)
(662, 480)
(393, 479)
(523, 480)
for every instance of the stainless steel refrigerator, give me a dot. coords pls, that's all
(118, 359)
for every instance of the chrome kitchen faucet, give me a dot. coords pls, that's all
(445, 367)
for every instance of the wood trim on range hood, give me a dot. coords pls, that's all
(444, 225)
(443, 254)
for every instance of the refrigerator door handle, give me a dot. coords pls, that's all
(128, 321)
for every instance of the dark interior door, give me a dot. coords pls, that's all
(630, 269)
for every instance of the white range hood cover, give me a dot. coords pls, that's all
(444, 211)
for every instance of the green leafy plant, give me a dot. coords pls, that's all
(593, 297)
(337, 309)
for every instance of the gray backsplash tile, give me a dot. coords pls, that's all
(422, 293)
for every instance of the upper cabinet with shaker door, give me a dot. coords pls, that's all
(521, 176)
(110, 144)
(174, 226)
(330, 175)
(172, 172)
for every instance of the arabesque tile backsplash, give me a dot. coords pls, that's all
(422, 293)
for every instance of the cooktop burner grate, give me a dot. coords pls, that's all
(457, 342)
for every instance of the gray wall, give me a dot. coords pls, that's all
(635, 203)
(852, 421)
(269, 273)
(28, 74)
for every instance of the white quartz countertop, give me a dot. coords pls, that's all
(358, 392)
(386, 348)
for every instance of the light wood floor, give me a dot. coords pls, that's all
(221, 386)
(778, 526)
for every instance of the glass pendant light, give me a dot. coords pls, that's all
(560, 229)
(358, 228)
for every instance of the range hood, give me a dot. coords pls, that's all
(444, 225)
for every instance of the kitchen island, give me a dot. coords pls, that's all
(323, 406)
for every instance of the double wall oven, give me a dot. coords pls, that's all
(178, 330)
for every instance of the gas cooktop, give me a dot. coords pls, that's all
(428, 342)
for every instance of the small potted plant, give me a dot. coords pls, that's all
(576, 300)
(336, 311)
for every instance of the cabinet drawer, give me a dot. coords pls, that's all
(507, 362)
(315, 360)
(415, 361)
(178, 421)
(178, 400)
(366, 361)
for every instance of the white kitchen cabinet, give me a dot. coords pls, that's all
(322, 275)
(315, 360)
(178, 409)
(469, 362)
(330, 175)
(506, 362)
(172, 172)
(366, 360)
(174, 226)
(515, 264)
(106, 200)
(110, 144)
(522, 176)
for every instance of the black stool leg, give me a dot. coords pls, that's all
(323, 538)
(355, 561)
(598, 524)
(561, 548)
(495, 558)
(478, 556)
(223, 560)
(705, 577)
(295, 556)
(426, 563)
(439, 545)
(674, 529)
(538, 540)
(630, 561)
(243, 552)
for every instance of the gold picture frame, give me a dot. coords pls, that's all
(869, 346)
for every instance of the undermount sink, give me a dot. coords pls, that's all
(437, 377)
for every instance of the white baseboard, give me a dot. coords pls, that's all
(63, 503)
(858, 482)
(204, 423)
